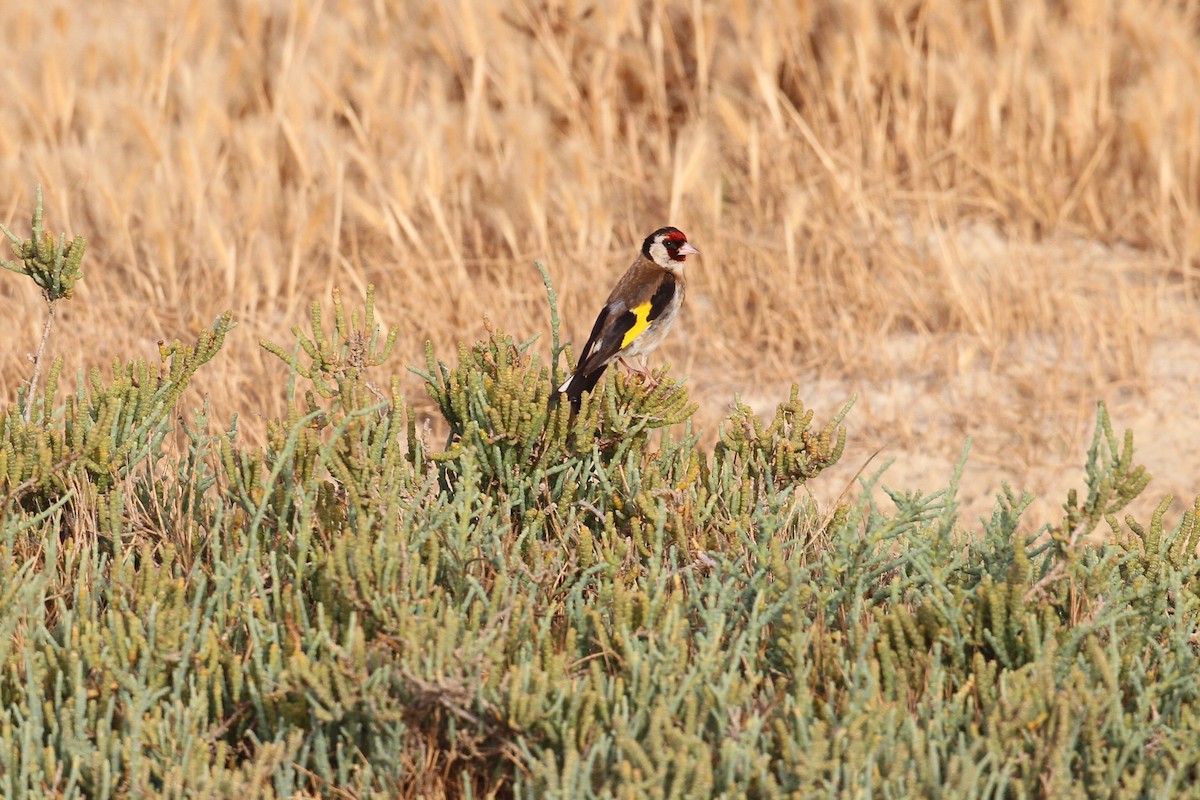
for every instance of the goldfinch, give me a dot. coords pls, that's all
(637, 315)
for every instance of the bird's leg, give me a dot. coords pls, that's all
(630, 367)
(651, 381)
(647, 379)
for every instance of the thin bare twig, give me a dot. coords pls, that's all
(31, 395)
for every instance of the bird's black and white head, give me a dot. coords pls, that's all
(668, 248)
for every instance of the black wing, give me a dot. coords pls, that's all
(662, 297)
(593, 360)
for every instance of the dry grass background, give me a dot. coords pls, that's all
(979, 217)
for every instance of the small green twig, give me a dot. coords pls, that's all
(54, 266)
(552, 296)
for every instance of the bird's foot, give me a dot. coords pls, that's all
(648, 380)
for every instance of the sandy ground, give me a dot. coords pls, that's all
(1029, 409)
(921, 428)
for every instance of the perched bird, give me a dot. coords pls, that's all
(637, 315)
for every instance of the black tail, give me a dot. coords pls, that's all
(583, 382)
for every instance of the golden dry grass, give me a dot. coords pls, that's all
(981, 218)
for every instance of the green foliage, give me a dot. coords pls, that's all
(104, 431)
(337, 367)
(558, 606)
(1112, 481)
(55, 267)
(785, 453)
(52, 265)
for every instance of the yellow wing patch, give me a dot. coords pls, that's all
(641, 322)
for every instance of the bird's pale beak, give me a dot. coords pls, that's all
(686, 249)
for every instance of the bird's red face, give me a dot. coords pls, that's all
(677, 246)
(668, 245)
